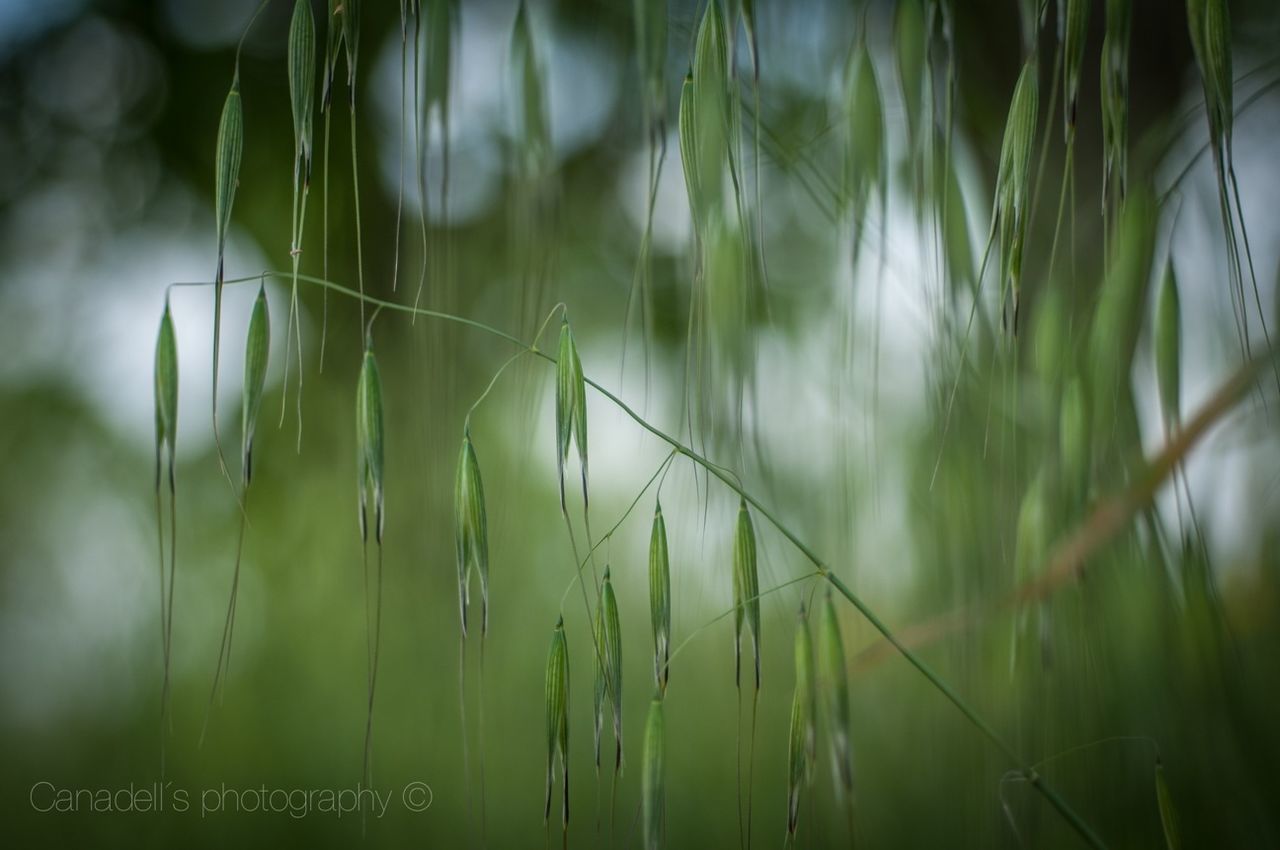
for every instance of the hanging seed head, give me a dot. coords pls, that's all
(1209, 22)
(660, 597)
(651, 50)
(1168, 346)
(557, 701)
(833, 691)
(728, 297)
(688, 123)
(369, 440)
(746, 591)
(351, 39)
(1073, 437)
(227, 164)
(332, 49)
(865, 140)
(802, 744)
(441, 22)
(709, 117)
(653, 781)
(256, 350)
(166, 388)
(1075, 30)
(1115, 100)
(471, 533)
(608, 668)
(302, 78)
(571, 408)
(535, 124)
(911, 42)
(1013, 180)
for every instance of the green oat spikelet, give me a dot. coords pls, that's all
(802, 742)
(230, 147)
(688, 121)
(369, 443)
(1168, 334)
(651, 51)
(746, 592)
(166, 391)
(165, 383)
(660, 597)
(535, 122)
(302, 79)
(653, 780)
(1114, 81)
(557, 705)
(351, 40)
(256, 351)
(571, 409)
(608, 658)
(1013, 181)
(833, 691)
(911, 44)
(865, 149)
(471, 533)
(1075, 31)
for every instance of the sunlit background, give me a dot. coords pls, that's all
(108, 118)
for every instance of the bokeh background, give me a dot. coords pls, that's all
(108, 116)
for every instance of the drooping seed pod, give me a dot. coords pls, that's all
(557, 704)
(369, 442)
(802, 743)
(534, 122)
(864, 156)
(442, 22)
(746, 592)
(227, 164)
(351, 39)
(227, 178)
(833, 691)
(660, 597)
(1013, 180)
(333, 48)
(302, 79)
(256, 350)
(653, 780)
(706, 126)
(166, 391)
(651, 51)
(688, 125)
(910, 38)
(1075, 31)
(1114, 81)
(608, 668)
(1168, 335)
(571, 409)
(471, 533)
